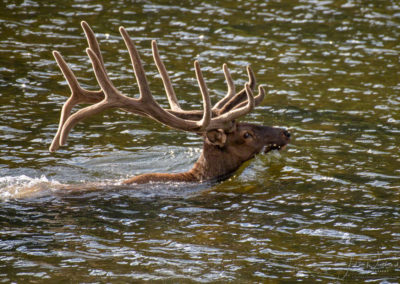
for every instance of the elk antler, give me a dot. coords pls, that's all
(221, 116)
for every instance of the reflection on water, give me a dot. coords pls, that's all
(326, 209)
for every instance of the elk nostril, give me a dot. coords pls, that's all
(286, 133)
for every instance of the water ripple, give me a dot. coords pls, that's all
(325, 210)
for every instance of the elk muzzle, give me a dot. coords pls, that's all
(274, 138)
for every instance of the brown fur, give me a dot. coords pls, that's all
(223, 153)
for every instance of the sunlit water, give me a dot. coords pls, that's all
(325, 209)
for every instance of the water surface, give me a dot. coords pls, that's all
(326, 209)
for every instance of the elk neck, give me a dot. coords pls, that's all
(214, 163)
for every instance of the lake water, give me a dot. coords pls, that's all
(326, 209)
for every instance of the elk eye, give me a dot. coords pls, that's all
(246, 135)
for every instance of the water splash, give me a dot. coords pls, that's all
(12, 187)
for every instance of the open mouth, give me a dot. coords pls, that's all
(271, 147)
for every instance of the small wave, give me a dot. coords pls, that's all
(12, 187)
(19, 187)
(335, 234)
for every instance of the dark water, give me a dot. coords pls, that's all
(327, 209)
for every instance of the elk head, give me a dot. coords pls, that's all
(227, 143)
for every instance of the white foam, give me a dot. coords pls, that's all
(23, 186)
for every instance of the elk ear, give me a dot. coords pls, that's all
(216, 137)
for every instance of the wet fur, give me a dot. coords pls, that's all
(223, 153)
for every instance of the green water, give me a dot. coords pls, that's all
(326, 209)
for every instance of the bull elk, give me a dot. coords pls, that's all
(227, 143)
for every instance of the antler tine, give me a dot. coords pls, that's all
(205, 121)
(231, 88)
(252, 77)
(169, 89)
(240, 96)
(67, 72)
(65, 113)
(261, 95)
(104, 81)
(92, 42)
(144, 89)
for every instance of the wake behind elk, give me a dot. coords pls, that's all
(227, 143)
